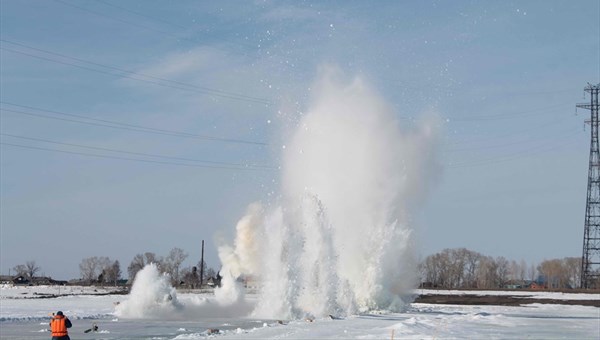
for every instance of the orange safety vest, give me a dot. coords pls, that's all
(58, 325)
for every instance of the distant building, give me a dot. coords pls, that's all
(537, 285)
(20, 280)
(515, 284)
(214, 281)
(251, 282)
(428, 284)
(6, 279)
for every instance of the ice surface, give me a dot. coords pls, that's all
(27, 319)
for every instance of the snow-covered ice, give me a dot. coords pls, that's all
(27, 318)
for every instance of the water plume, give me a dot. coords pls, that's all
(339, 241)
(151, 296)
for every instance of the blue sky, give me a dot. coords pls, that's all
(222, 82)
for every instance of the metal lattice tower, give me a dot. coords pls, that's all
(590, 264)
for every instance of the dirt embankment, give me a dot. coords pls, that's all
(499, 300)
(36, 295)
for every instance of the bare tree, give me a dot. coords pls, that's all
(141, 260)
(172, 263)
(451, 268)
(561, 273)
(473, 259)
(32, 268)
(553, 272)
(444, 268)
(456, 263)
(92, 267)
(190, 277)
(158, 261)
(572, 266)
(104, 263)
(532, 272)
(135, 266)
(20, 270)
(502, 271)
(88, 269)
(521, 271)
(112, 273)
(210, 272)
(486, 273)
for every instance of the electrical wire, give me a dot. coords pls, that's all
(571, 132)
(509, 134)
(140, 14)
(131, 159)
(524, 153)
(168, 34)
(208, 90)
(120, 20)
(245, 165)
(512, 115)
(136, 128)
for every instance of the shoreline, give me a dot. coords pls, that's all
(498, 300)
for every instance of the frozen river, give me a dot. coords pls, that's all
(27, 318)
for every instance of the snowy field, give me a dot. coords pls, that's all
(22, 316)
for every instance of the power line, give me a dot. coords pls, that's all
(511, 115)
(497, 146)
(203, 88)
(123, 126)
(132, 75)
(523, 153)
(130, 159)
(139, 153)
(509, 134)
(120, 20)
(140, 14)
(171, 35)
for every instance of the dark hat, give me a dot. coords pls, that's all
(59, 313)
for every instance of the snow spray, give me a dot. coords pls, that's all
(339, 240)
(151, 296)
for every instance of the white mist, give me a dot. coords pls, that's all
(339, 241)
(151, 295)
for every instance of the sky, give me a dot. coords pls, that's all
(136, 126)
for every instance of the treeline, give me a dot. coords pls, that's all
(463, 268)
(102, 270)
(450, 268)
(171, 266)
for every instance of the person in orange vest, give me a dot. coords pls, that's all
(59, 325)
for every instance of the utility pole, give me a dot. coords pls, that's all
(590, 261)
(202, 265)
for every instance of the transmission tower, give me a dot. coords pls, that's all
(590, 261)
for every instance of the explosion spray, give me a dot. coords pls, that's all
(339, 241)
